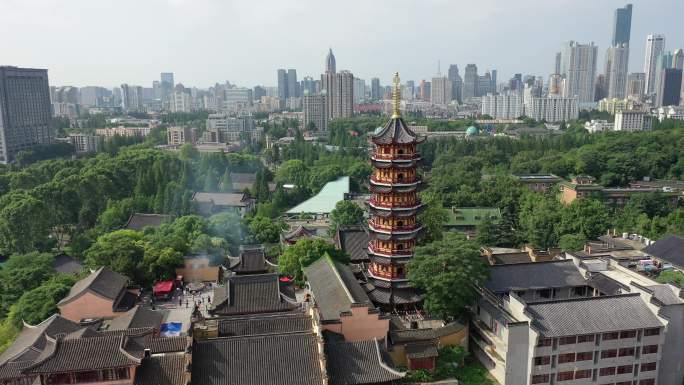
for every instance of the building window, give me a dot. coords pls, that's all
(567, 340)
(609, 353)
(545, 293)
(624, 369)
(649, 366)
(610, 336)
(649, 349)
(651, 332)
(565, 376)
(567, 357)
(585, 356)
(540, 379)
(607, 371)
(626, 352)
(628, 334)
(582, 374)
(539, 361)
(545, 342)
(585, 338)
(579, 291)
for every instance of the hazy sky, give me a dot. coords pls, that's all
(109, 42)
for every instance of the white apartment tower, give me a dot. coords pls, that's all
(502, 106)
(441, 90)
(578, 67)
(617, 60)
(655, 44)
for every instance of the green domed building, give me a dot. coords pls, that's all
(472, 131)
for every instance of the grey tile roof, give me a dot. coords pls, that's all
(252, 261)
(411, 335)
(167, 344)
(360, 362)
(354, 241)
(396, 131)
(592, 315)
(167, 369)
(250, 294)
(65, 264)
(669, 249)
(606, 285)
(334, 287)
(103, 282)
(33, 336)
(241, 181)
(535, 275)
(264, 324)
(139, 221)
(421, 350)
(64, 355)
(11, 370)
(221, 199)
(666, 294)
(258, 360)
(137, 317)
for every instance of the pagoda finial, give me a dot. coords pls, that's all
(396, 97)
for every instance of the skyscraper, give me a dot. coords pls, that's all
(292, 84)
(578, 67)
(25, 113)
(441, 90)
(622, 25)
(339, 91)
(456, 82)
(470, 82)
(132, 99)
(655, 44)
(376, 92)
(670, 87)
(359, 90)
(557, 67)
(678, 59)
(330, 65)
(663, 62)
(424, 90)
(616, 70)
(166, 85)
(283, 85)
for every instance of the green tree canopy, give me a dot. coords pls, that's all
(447, 270)
(305, 252)
(345, 213)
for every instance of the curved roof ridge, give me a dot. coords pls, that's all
(383, 364)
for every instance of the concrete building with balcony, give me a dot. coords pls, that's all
(177, 136)
(540, 183)
(583, 186)
(563, 322)
(632, 121)
(84, 144)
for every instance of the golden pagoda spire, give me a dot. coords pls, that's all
(396, 97)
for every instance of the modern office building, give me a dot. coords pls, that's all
(678, 59)
(553, 109)
(502, 106)
(359, 90)
(131, 98)
(376, 92)
(330, 63)
(283, 85)
(578, 67)
(555, 85)
(292, 84)
(315, 111)
(166, 85)
(484, 84)
(655, 45)
(557, 63)
(25, 113)
(456, 83)
(470, 82)
(622, 25)
(180, 101)
(670, 87)
(636, 83)
(617, 61)
(441, 90)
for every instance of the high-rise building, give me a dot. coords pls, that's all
(456, 83)
(502, 106)
(308, 86)
(555, 85)
(258, 92)
(315, 111)
(470, 82)
(636, 83)
(394, 206)
(622, 25)
(339, 91)
(292, 84)
(441, 90)
(409, 92)
(516, 83)
(180, 101)
(283, 85)
(678, 59)
(131, 98)
(553, 109)
(94, 96)
(557, 66)
(578, 67)
(617, 58)
(655, 44)
(670, 87)
(484, 84)
(330, 64)
(166, 85)
(25, 114)
(359, 90)
(424, 90)
(376, 92)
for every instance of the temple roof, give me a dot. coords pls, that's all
(358, 362)
(104, 282)
(396, 131)
(252, 260)
(250, 294)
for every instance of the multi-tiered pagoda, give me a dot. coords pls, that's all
(394, 205)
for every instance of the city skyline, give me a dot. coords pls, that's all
(175, 36)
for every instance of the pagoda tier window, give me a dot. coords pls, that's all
(400, 151)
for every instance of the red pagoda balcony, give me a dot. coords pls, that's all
(394, 205)
(389, 252)
(389, 229)
(389, 274)
(380, 157)
(395, 181)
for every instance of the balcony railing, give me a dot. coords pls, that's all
(390, 228)
(379, 156)
(392, 205)
(388, 181)
(383, 251)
